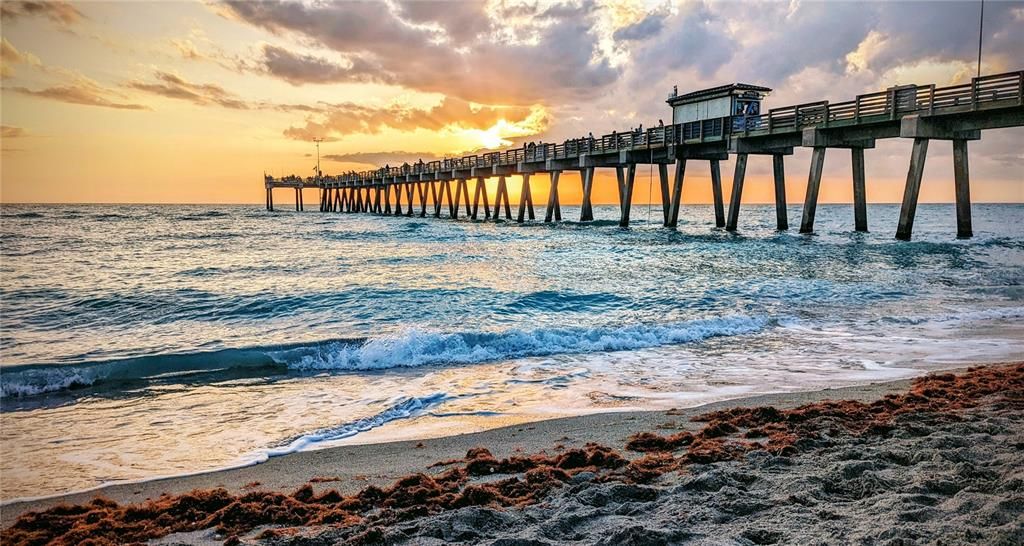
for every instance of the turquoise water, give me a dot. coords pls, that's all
(141, 341)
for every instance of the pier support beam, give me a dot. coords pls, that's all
(436, 198)
(586, 207)
(481, 191)
(446, 188)
(554, 208)
(813, 184)
(716, 192)
(462, 195)
(501, 198)
(525, 200)
(423, 198)
(387, 198)
(399, 211)
(961, 176)
(376, 200)
(665, 197)
(914, 173)
(672, 220)
(409, 197)
(737, 191)
(860, 198)
(779, 173)
(270, 199)
(625, 192)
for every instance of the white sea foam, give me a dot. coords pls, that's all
(403, 408)
(964, 316)
(413, 347)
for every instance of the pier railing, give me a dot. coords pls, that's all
(882, 106)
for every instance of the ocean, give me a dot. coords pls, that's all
(147, 341)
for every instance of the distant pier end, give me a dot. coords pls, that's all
(707, 125)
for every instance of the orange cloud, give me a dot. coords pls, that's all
(348, 118)
(83, 92)
(58, 11)
(175, 87)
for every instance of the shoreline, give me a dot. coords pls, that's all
(349, 468)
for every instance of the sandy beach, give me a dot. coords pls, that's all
(919, 478)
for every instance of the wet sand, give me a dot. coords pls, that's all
(933, 459)
(380, 464)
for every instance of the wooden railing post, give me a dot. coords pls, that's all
(856, 110)
(974, 93)
(931, 99)
(1020, 88)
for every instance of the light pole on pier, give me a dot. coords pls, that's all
(318, 140)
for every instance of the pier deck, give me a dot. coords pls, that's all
(958, 113)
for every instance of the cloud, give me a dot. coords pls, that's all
(175, 87)
(82, 91)
(10, 56)
(643, 29)
(348, 118)
(694, 38)
(382, 158)
(546, 55)
(299, 69)
(460, 24)
(9, 131)
(58, 11)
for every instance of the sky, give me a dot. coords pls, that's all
(192, 101)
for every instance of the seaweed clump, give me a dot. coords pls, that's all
(103, 521)
(780, 431)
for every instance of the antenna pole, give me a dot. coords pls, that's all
(981, 27)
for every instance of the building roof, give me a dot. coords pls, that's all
(715, 92)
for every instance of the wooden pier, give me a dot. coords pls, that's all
(956, 113)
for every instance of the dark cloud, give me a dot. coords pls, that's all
(647, 27)
(382, 158)
(348, 118)
(175, 87)
(949, 30)
(298, 69)
(694, 38)
(58, 11)
(82, 92)
(559, 60)
(9, 131)
(461, 22)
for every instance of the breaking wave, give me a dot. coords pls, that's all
(418, 348)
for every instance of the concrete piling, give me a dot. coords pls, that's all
(737, 192)
(779, 176)
(913, 188)
(961, 179)
(586, 208)
(677, 194)
(716, 193)
(553, 210)
(813, 184)
(860, 199)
